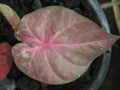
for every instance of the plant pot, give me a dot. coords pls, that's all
(94, 76)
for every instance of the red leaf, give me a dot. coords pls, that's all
(58, 45)
(5, 59)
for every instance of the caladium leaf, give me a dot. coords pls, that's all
(58, 45)
(10, 15)
(5, 59)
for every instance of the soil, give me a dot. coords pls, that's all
(22, 82)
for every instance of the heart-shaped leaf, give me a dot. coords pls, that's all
(10, 15)
(58, 45)
(5, 59)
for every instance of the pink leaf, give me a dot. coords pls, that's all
(5, 59)
(58, 45)
(10, 15)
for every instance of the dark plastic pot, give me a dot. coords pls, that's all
(95, 75)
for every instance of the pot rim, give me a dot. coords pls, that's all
(95, 6)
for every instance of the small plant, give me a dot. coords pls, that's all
(5, 48)
(57, 44)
